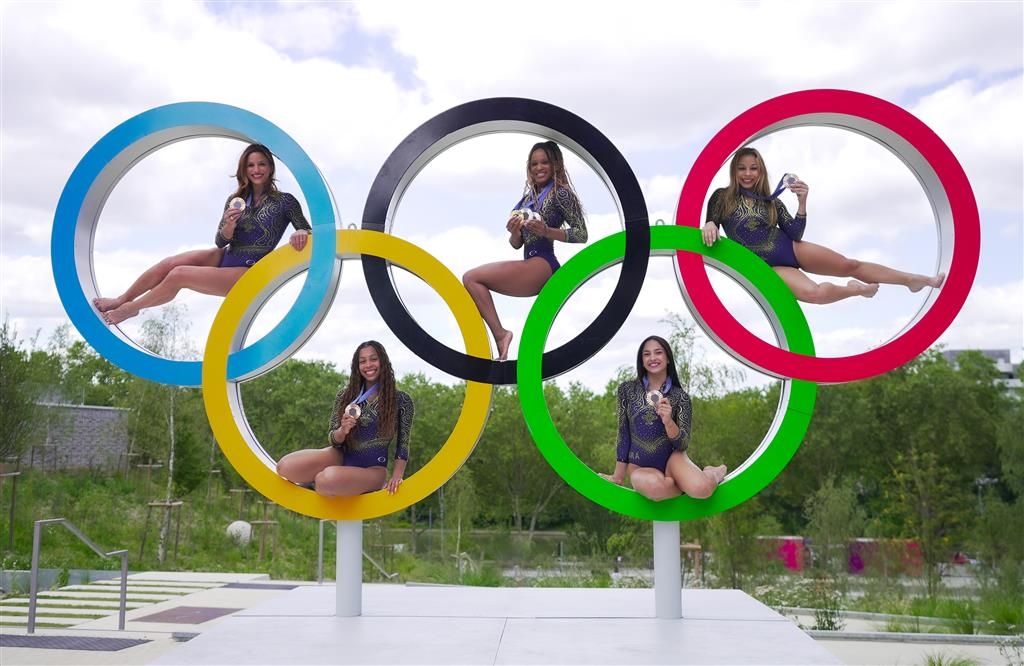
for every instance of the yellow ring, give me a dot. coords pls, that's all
(240, 445)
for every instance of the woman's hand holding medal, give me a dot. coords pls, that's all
(230, 217)
(348, 421)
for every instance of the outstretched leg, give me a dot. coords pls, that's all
(510, 278)
(203, 279)
(807, 290)
(154, 275)
(821, 260)
(692, 480)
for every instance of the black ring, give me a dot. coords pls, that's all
(487, 116)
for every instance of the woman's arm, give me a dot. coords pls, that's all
(574, 229)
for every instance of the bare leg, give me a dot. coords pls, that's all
(337, 481)
(303, 466)
(203, 279)
(807, 290)
(511, 278)
(154, 275)
(821, 260)
(690, 479)
(652, 483)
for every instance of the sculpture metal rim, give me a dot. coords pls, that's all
(94, 178)
(796, 401)
(222, 399)
(507, 114)
(936, 168)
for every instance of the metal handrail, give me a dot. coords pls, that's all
(34, 579)
(320, 558)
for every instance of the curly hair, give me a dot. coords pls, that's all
(559, 175)
(387, 402)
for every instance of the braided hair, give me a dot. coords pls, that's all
(387, 404)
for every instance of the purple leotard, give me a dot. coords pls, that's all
(748, 226)
(259, 229)
(560, 208)
(642, 437)
(362, 447)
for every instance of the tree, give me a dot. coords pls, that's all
(437, 408)
(157, 407)
(833, 518)
(289, 407)
(930, 505)
(507, 466)
(17, 401)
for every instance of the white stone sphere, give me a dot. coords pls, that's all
(240, 531)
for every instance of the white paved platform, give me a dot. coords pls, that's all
(468, 625)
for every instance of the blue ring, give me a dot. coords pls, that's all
(74, 227)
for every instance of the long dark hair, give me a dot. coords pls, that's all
(732, 193)
(641, 373)
(386, 401)
(244, 186)
(558, 173)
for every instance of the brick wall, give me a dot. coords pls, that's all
(78, 437)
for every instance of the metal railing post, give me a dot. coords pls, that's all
(34, 574)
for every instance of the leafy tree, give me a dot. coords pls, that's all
(833, 518)
(732, 540)
(930, 505)
(158, 411)
(289, 407)
(437, 408)
(17, 401)
(507, 466)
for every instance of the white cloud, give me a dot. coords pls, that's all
(658, 79)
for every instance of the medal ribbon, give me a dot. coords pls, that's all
(365, 394)
(775, 195)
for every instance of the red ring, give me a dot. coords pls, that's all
(747, 348)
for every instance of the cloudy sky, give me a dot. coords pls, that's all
(349, 81)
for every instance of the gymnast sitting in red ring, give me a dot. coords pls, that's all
(755, 218)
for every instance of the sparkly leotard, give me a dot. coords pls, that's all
(748, 226)
(642, 437)
(561, 207)
(259, 229)
(362, 447)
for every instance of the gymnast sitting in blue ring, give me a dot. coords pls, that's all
(369, 414)
(548, 211)
(255, 218)
(654, 431)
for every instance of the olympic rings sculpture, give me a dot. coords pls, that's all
(226, 362)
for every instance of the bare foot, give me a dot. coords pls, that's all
(504, 342)
(716, 473)
(120, 313)
(105, 304)
(865, 290)
(920, 282)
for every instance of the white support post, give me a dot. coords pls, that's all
(349, 565)
(668, 580)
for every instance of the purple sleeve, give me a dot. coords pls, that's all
(622, 446)
(791, 226)
(406, 411)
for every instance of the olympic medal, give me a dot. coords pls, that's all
(790, 178)
(238, 203)
(653, 397)
(354, 410)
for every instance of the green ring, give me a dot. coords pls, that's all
(768, 460)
